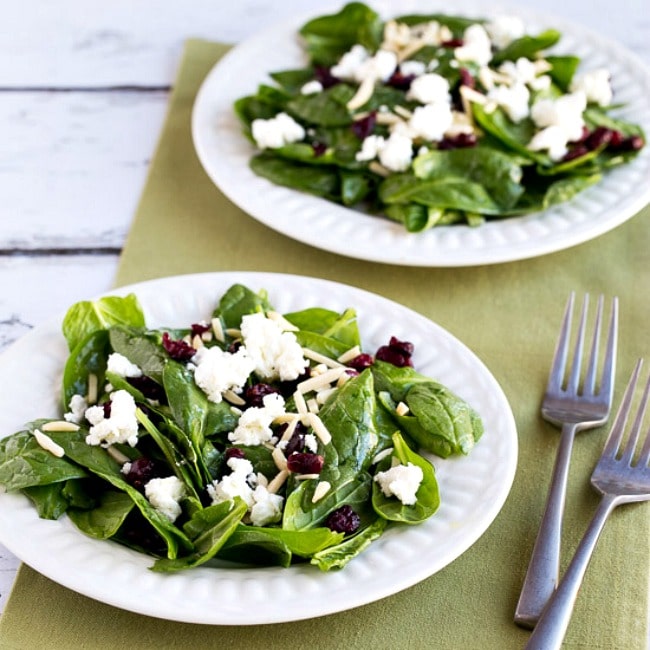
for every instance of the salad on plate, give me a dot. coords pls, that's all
(250, 437)
(436, 119)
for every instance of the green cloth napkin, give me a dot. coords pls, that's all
(509, 314)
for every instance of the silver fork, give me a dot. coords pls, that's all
(621, 476)
(573, 408)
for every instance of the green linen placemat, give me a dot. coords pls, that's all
(508, 314)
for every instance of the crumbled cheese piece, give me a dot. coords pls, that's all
(48, 444)
(596, 86)
(349, 63)
(320, 491)
(520, 71)
(505, 29)
(267, 507)
(397, 152)
(164, 494)
(312, 87)
(126, 467)
(310, 442)
(513, 99)
(401, 481)
(121, 426)
(476, 46)
(254, 426)
(77, 406)
(429, 88)
(412, 68)
(370, 148)
(276, 131)
(357, 65)
(552, 139)
(119, 365)
(218, 371)
(460, 123)
(275, 353)
(432, 121)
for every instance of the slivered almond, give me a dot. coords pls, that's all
(281, 320)
(381, 455)
(60, 425)
(312, 406)
(388, 119)
(320, 381)
(91, 398)
(288, 432)
(319, 428)
(301, 405)
(403, 112)
(117, 455)
(234, 332)
(320, 491)
(233, 398)
(197, 342)
(277, 481)
(279, 458)
(48, 444)
(320, 358)
(363, 94)
(402, 409)
(378, 168)
(323, 395)
(350, 354)
(305, 477)
(217, 329)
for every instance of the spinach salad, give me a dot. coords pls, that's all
(435, 119)
(251, 437)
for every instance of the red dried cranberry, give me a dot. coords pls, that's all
(107, 408)
(453, 42)
(234, 452)
(199, 328)
(302, 463)
(255, 394)
(361, 362)
(633, 143)
(617, 139)
(466, 78)
(363, 128)
(148, 387)
(177, 350)
(459, 141)
(396, 352)
(234, 346)
(142, 470)
(575, 152)
(319, 148)
(343, 520)
(599, 137)
(400, 81)
(297, 440)
(325, 76)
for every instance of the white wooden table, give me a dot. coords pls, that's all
(83, 92)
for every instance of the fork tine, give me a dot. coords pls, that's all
(561, 349)
(628, 452)
(609, 366)
(574, 378)
(616, 434)
(590, 376)
(644, 456)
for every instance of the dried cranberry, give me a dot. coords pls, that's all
(466, 78)
(302, 463)
(343, 520)
(460, 141)
(199, 328)
(363, 128)
(288, 388)
(617, 139)
(575, 152)
(325, 76)
(107, 408)
(400, 81)
(361, 362)
(234, 346)
(633, 143)
(177, 350)
(453, 42)
(599, 137)
(234, 452)
(297, 440)
(255, 394)
(148, 387)
(319, 148)
(141, 471)
(396, 352)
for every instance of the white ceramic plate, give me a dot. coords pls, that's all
(473, 489)
(224, 153)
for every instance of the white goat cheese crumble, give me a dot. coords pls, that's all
(358, 65)
(165, 494)
(276, 131)
(119, 365)
(254, 426)
(476, 46)
(401, 481)
(596, 86)
(276, 354)
(77, 406)
(502, 30)
(429, 88)
(432, 121)
(312, 87)
(217, 371)
(513, 99)
(120, 426)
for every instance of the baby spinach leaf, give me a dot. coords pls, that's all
(105, 520)
(24, 463)
(414, 216)
(457, 24)
(209, 529)
(527, 46)
(86, 317)
(328, 37)
(428, 495)
(341, 327)
(356, 186)
(49, 501)
(88, 357)
(336, 557)
(327, 108)
(251, 108)
(142, 348)
(562, 69)
(237, 302)
(293, 80)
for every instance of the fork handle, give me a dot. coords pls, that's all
(544, 567)
(552, 625)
